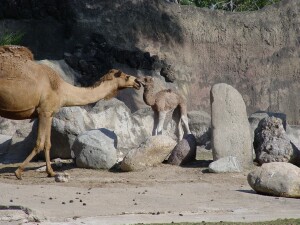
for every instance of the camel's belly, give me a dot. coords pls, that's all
(19, 115)
(17, 98)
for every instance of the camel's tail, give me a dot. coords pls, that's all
(16, 51)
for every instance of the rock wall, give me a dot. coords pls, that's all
(255, 52)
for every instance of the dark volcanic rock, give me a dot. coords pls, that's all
(272, 144)
(184, 151)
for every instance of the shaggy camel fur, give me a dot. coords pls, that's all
(32, 90)
(163, 102)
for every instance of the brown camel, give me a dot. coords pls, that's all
(163, 102)
(32, 90)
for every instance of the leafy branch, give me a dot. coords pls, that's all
(11, 38)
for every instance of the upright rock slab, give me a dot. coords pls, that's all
(230, 127)
(276, 178)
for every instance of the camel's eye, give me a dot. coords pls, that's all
(127, 78)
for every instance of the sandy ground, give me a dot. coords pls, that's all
(161, 194)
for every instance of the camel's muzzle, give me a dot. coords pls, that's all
(138, 84)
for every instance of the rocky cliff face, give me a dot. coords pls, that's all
(255, 52)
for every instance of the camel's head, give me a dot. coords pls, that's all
(147, 81)
(125, 80)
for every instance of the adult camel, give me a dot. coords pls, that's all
(31, 90)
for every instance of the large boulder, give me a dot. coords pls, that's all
(184, 152)
(276, 178)
(151, 153)
(22, 143)
(5, 142)
(272, 144)
(115, 115)
(67, 124)
(95, 149)
(230, 127)
(131, 129)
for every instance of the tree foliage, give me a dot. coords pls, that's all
(230, 5)
(12, 38)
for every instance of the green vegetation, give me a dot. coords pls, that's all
(230, 5)
(12, 38)
(274, 222)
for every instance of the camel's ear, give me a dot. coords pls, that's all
(109, 76)
(118, 73)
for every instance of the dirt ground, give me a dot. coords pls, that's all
(160, 194)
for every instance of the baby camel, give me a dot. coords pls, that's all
(163, 102)
(32, 90)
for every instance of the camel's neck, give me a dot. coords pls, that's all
(148, 95)
(76, 96)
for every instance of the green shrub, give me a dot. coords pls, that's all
(12, 38)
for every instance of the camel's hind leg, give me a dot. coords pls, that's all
(185, 121)
(43, 129)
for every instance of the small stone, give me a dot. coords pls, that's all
(84, 204)
(63, 203)
(62, 177)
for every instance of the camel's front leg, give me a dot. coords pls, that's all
(161, 120)
(49, 169)
(43, 128)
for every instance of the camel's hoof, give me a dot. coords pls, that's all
(51, 174)
(18, 174)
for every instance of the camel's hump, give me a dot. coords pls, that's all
(17, 51)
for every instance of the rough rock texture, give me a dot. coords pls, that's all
(256, 52)
(22, 143)
(5, 142)
(184, 151)
(230, 127)
(276, 178)
(272, 144)
(95, 149)
(228, 164)
(293, 133)
(154, 151)
(256, 117)
(68, 123)
(200, 126)
(62, 177)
